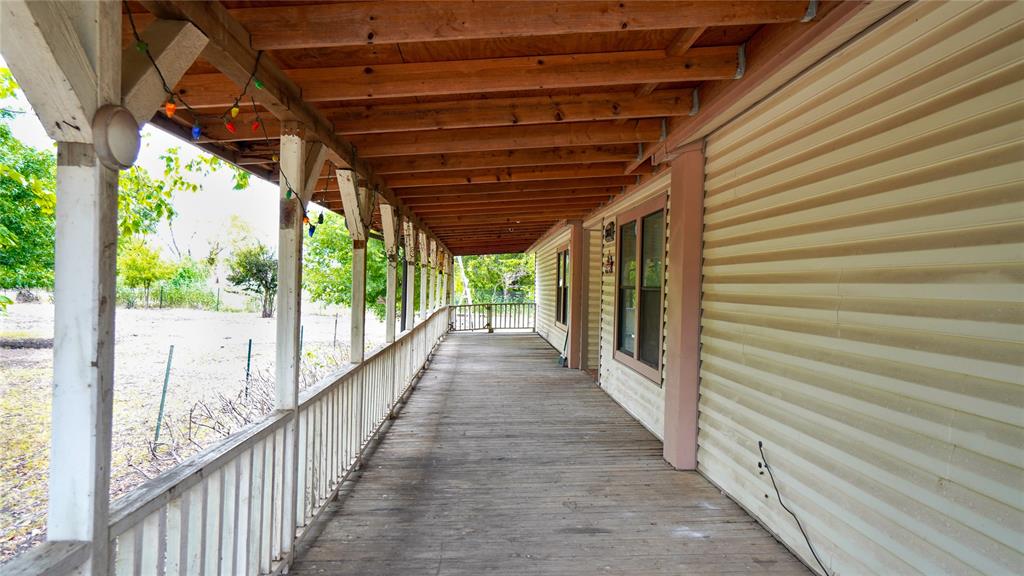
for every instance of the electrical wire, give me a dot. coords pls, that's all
(760, 448)
(196, 116)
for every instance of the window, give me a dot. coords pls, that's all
(562, 288)
(640, 285)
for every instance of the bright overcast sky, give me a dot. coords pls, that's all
(202, 216)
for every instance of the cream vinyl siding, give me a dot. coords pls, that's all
(864, 299)
(643, 399)
(593, 302)
(546, 261)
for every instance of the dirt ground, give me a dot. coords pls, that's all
(209, 359)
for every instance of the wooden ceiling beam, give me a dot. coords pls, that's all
(486, 75)
(498, 234)
(511, 218)
(364, 23)
(769, 50)
(505, 158)
(416, 201)
(507, 138)
(492, 208)
(682, 42)
(524, 174)
(229, 50)
(509, 111)
(538, 185)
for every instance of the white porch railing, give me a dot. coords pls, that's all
(221, 512)
(491, 317)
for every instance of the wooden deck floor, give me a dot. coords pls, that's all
(505, 463)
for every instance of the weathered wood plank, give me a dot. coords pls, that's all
(505, 463)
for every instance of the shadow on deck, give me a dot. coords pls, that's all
(504, 463)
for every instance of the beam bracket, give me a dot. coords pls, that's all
(812, 11)
(741, 61)
(695, 106)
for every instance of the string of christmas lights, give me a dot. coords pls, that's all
(228, 116)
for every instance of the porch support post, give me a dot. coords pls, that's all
(68, 59)
(432, 283)
(356, 203)
(423, 275)
(389, 217)
(577, 257)
(585, 311)
(409, 291)
(451, 280)
(293, 196)
(682, 301)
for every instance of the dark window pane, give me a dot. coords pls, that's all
(650, 325)
(626, 337)
(653, 254)
(627, 320)
(627, 255)
(653, 249)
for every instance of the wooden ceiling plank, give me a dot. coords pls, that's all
(507, 138)
(417, 201)
(524, 174)
(505, 158)
(539, 185)
(508, 111)
(229, 49)
(487, 75)
(682, 42)
(364, 23)
(503, 209)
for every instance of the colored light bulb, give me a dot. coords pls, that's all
(141, 46)
(170, 107)
(289, 193)
(305, 219)
(274, 157)
(255, 125)
(320, 219)
(258, 83)
(311, 230)
(230, 125)
(196, 132)
(234, 111)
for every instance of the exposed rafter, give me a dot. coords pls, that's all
(229, 50)
(488, 75)
(361, 23)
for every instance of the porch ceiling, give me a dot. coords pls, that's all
(489, 121)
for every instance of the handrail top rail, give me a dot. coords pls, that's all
(314, 392)
(153, 493)
(493, 304)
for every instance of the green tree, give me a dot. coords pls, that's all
(498, 277)
(141, 266)
(254, 270)
(27, 180)
(327, 267)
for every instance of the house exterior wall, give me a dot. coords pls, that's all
(545, 278)
(642, 398)
(864, 299)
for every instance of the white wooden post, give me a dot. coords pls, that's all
(390, 223)
(432, 275)
(409, 308)
(423, 275)
(355, 202)
(68, 60)
(450, 298)
(289, 313)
